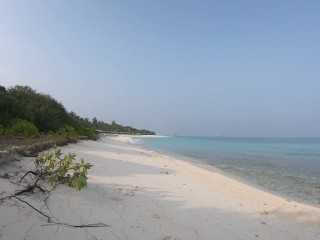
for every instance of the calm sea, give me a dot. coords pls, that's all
(287, 167)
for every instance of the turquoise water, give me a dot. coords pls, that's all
(287, 167)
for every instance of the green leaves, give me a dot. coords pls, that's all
(78, 181)
(69, 132)
(62, 169)
(23, 128)
(52, 179)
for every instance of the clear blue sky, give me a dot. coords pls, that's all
(229, 68)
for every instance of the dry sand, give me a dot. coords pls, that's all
(144, 195)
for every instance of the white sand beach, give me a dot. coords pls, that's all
(143, 195)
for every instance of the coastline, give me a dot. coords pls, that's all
(142, 194)
(289, 173)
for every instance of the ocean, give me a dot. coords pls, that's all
(286, 167)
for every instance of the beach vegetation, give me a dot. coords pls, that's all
(89, 132)
(26, 112)
(22, 128)
(40, 109)
(60, 168)
(118, 129)
(69, 132)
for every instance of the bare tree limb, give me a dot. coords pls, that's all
(48, 218)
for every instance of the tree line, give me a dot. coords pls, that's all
(28, 113)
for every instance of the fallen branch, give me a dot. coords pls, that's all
(48, 218)
(93, 225)
(54, 168)
(51, 222)
(32, 172)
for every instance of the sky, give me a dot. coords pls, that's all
(194, 68)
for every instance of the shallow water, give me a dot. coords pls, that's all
(288, 167)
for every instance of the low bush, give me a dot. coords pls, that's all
(89, 132)
(69, 132)
(22, 128)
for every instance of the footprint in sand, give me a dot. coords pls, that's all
(129, 191)
(155, 216)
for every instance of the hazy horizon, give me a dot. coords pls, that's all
(192, 68)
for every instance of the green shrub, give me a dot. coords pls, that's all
(58, 169)
(22, 128)
(69, 132)
(89, 132)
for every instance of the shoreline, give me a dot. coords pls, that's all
(145, 195)
(204, 164)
